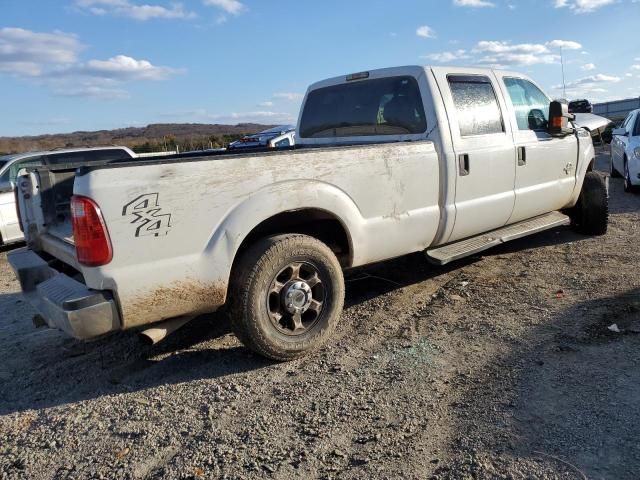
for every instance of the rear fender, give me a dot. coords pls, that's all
(234, 228)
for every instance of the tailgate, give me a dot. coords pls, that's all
(44, 199)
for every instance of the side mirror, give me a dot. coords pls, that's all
(559, 117)
(621, 132)
(6, 187)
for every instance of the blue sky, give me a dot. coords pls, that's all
(69, 65)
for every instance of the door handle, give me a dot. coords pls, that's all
(522, 156)
(463, 164)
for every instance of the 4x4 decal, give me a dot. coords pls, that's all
(147, 216)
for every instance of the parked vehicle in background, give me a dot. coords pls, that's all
(10, 165)
(276, 137)
(580, 106)
(625, 152)
(449, 161)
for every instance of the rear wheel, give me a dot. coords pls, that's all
(287, 296)
(591, 213)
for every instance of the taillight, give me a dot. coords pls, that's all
(90, 235)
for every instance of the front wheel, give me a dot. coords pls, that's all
(613, 173)
(628, 186)
(287, 296)
(591, 213)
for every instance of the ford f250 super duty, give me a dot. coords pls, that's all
(447, 161)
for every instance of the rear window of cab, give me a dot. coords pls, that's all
(385, 106)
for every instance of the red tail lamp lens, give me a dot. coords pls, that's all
(93, 246)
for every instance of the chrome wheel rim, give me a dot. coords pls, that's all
(296, 298)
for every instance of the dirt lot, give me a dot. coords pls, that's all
(501, 366)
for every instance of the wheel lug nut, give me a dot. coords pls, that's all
(289, 295)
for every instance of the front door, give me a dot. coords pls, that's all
(483, 149)
(546, 166)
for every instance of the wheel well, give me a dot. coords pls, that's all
(313, 222)
(591, 165)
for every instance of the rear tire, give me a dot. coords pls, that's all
(287, 294)
(591, 213)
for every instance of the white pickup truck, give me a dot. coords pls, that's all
(447, 161)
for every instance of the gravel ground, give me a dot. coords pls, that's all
(501, 366)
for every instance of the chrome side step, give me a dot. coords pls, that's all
(471, 246)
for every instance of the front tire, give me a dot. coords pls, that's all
(612, 169)
(287, 296)
(591, 213)
(628, 186)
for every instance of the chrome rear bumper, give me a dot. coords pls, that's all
(64, 302)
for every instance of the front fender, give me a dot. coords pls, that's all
(279, 198)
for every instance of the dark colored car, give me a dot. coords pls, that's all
(580, 106)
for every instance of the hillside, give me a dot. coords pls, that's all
(154, 137)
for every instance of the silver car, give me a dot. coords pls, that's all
(625, 152)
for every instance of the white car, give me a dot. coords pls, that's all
(625, 152)
(10, 165)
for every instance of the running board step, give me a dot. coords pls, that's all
(471, 246)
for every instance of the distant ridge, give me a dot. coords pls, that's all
(153, 137)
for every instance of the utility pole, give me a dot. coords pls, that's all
(564, 85)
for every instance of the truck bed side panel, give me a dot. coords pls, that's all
(176, 227)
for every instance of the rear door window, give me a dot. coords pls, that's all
(530, 104)
(636, 129)
(476, 105)
(385, 106)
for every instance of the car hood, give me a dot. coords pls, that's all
(590, 121)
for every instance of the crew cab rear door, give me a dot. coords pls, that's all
(546, 166)
(483, 147)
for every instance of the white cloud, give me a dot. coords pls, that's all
(52, 59)
(93, 91)
(444, 57)
(635, 67)
(27, 53)
(503, 53)
(566, 44)
(136, 11)
(590, 81)
(473, 3)
(233, 7)
(582, 6)
(425, 32)
(265, 104)
(292, 97)
(588, 67)
(500, 53)
(122, 67)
